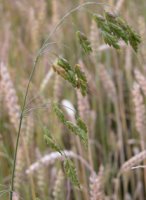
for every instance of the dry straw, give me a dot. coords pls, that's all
(90, 78)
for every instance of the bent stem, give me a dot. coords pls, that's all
(19, 129)
(68, 14)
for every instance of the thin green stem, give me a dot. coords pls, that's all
(19, 129)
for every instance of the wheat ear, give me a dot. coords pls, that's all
(141, 80)
(140, 113)
(135, 160)
(96, 185)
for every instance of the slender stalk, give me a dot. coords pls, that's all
(19, 129)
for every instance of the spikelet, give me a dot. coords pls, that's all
(96, 185)
(107, 83)
(140, 113)
(90, 78)
(11, 99)
(141, 80)
(58, 187)
(135, 160)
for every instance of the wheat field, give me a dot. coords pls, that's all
(72, 100)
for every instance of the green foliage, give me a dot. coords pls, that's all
(110, 39)
(114, 28)
(84, 42)
(134, 39)
(62, 62)
(69, 167)
(82, 81)
(80, 129)
(59, 113)
(81, 124)
(70, 172)
(50, 141)
(73, 75)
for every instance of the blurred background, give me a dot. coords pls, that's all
(114, 109)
